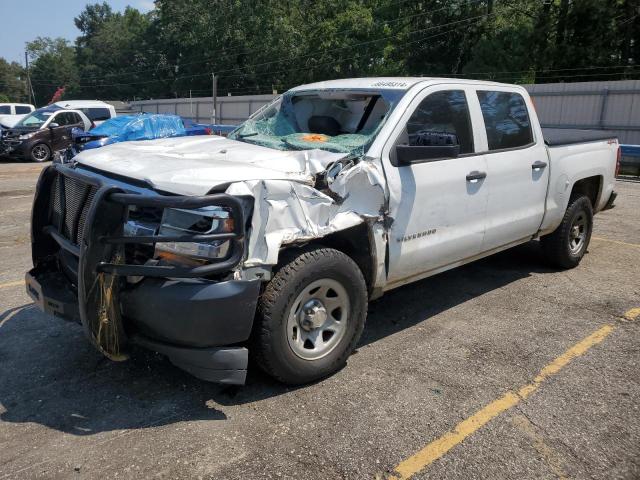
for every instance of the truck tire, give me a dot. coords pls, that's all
(310, 316)
(40, 152)
(568, 243)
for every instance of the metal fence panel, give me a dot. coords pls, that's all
(612, 106)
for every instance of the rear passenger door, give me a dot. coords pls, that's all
(517, 167)
(437, 204)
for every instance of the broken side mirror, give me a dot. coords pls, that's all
(427, 146)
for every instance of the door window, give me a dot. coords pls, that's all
(60, 119)
(5, 110)
(442, 112)
(506, 119)
(22, 110)
(66, 118)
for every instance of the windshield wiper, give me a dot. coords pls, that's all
(245, 135)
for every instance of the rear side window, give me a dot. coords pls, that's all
(21, 110)
(442, 112)
(97, 114)
(506, 119)
(5, 110)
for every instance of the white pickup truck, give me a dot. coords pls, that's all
(273, 240)
(12, 113)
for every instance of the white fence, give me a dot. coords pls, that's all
(613, 106)
(229, 110)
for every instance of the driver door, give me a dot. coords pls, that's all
(438, 205)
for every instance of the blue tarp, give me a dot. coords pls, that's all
(145, 126)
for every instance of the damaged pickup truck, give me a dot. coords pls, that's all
(273, 240)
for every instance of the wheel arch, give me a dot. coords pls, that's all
(591, 187)
(357, 242)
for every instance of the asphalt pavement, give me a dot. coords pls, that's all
(504, 368)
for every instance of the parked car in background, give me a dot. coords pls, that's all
(12, 113)
(96, 110)
(142, 126)
(41, 133)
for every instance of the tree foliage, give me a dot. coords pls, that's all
(12, 82)
(259, 45)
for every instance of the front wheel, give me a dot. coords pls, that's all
(311, 316)
(568, 243)
(41, 153)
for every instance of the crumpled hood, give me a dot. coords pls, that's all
(196, 165)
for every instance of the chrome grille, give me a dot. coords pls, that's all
(70, 202)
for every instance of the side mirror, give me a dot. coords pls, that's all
(426, 147)
(54, 125)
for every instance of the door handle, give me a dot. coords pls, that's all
(537, 166)
(476, 176)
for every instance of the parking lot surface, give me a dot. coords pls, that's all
(503, 368)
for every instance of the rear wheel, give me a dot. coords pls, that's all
(311, 315)
(566, 246)
(40, 153)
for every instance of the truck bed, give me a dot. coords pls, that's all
(566, 136)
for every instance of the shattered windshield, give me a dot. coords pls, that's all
(344, 121)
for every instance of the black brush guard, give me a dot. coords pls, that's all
(89, 232)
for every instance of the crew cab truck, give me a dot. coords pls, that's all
(12, 113)
(272, 241)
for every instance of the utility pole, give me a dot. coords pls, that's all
(214, 95)
(30, 92)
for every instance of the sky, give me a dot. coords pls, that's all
(23, 20)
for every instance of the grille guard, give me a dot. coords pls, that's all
(43, 232)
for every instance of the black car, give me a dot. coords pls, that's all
(41, 133)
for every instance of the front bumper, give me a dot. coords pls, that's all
(14, 148)
(181, 312)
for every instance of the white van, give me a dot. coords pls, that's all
(97, 111)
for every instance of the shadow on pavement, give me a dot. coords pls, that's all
(51, 375)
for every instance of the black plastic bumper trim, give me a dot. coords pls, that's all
(227, 365)
(192, 313)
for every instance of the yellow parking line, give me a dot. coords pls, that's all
(439, 447)
(632, 314)
(602, 239)
(12, 284)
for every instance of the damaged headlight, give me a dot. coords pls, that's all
(26, 136)
(203, 221)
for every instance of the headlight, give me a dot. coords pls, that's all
(206, 220)
(26, 136)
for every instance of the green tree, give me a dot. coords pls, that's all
(12, 82)
(53, 65)
(115, 54)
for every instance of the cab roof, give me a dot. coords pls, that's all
(391, 83)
